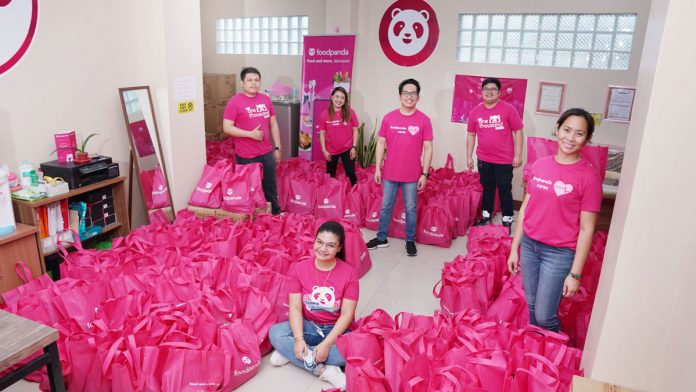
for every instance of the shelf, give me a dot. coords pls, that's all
(106, 230)
(72, 193)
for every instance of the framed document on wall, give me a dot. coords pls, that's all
(550, 98)
(619, 104)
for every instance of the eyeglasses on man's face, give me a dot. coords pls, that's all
(490, 89)
(412, 94)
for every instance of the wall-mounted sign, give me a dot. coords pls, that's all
(18, 20)
(408, 32)
(467, 95)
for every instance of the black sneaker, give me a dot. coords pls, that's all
(483, 222)
(377, 243)
(411, 248)
(507, 221)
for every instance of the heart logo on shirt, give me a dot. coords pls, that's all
(413, 129)
(562, 189)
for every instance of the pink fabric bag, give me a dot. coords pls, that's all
(237, 339)
(464, 285)
(434, 227)
(160, 191)
(302, 196)
(208, 191)
(354, 208)
(196, 370)
(511, 304)
(363, 376)
(330, 200)
(374, 207)
(141, 138)
(357, 254)
(30, 286)
(397, 226)
(238, 190)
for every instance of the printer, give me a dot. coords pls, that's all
(99, 168)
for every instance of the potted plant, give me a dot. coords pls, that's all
(366, 151)
(81, 154)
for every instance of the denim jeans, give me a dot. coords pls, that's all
(544, 270)
(492, 176)
(270, 190)
(409, 192)
(282, 339)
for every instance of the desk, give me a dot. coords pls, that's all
(22, 244)
(19, 338)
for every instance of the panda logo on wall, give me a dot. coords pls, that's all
(18, 19)
(408, 32)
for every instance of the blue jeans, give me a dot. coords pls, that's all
(282, 339)
(409, 192)
(544, 270)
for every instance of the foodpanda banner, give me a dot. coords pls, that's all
(327, 62)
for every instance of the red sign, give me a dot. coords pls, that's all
(408, 32)
(18, 18)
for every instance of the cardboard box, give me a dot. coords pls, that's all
(201, 212)
(218, 88)
(582, 384)
(265, 210)
(213, 118)
(235, 216)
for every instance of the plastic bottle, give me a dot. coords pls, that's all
(25, 170)
(7, 221)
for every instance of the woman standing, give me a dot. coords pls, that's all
(323, 296)
(557, 221)
(338, 134)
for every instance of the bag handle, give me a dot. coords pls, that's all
(23, 272)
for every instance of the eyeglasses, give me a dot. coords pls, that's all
(407, 94)
(490, 90)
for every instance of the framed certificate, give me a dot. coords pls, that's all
(619, 104)
(550, 98)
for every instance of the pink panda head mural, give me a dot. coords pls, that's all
(18, 18)
(408, 32)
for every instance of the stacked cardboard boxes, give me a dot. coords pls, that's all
(217, 90)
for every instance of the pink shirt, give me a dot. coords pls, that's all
(558, 193)
(494, 129)
(339, 133)
(405, 136)
(323, 292)
(247, 113)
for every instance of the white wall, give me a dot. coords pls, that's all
(641, 333)
(376, 78)
(82, 53)
(287, 69)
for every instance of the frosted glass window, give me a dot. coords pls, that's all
(595, 41)
(261, 35)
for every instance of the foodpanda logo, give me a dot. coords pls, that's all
(161, 187)
(229, 191)
(208, 185)
(403, 215)
(374, 214)
(246, 360)
(347, 212)
(326, 201)
(326, 205)
(296, 200)
(312, 51)
(298, 197)
(18, 19)
(207, 189)
(408, 32)
(433, 229)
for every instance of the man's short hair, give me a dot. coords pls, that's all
(249, 70)
(409, 81)
(490, 80)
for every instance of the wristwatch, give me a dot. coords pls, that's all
(277, 148)
(426, 175)
(575, 276)
(354, 147)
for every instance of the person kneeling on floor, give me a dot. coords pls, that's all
(323, 296)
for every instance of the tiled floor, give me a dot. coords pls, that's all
(395, 283)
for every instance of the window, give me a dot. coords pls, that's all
(596, 41)
(261, 35)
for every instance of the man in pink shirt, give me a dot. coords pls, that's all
(499, 130)
(250, 118)
(407, 134)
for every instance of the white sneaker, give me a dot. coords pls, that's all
(277, 359)
(334, 376)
